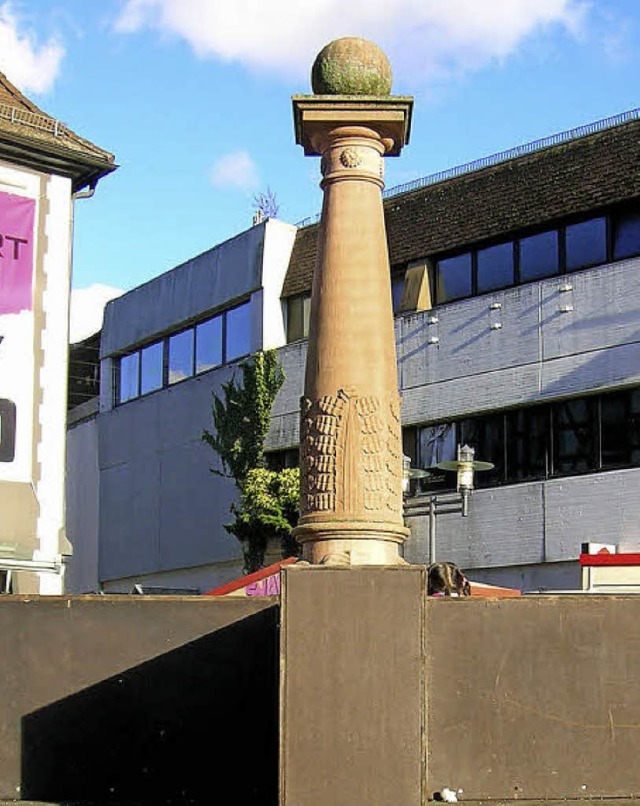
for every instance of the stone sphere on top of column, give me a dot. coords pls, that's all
(351, 66)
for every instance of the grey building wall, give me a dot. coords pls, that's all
(229, 271)
(538, 352)
(82, 495)
(452, 362)
(160, 506)
(161, 511)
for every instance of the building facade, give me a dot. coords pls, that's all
(517, 298)
(147, 510)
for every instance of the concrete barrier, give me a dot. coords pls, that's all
(386, 696)
(138, 699)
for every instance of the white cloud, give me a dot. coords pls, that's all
(87, 309)
(236, 170)
(30, 66)
(285, 35)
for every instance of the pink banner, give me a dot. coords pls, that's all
(16, 252)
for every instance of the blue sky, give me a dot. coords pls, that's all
(193, 98)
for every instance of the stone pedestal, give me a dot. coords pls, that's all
(351, 446)
(352, 693)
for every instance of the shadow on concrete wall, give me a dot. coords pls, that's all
(196, 725)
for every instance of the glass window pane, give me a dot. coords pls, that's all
(626, 240)
(574, 436)
(298, 317)
(437, 443)
(486, 436)
(586, 243)
(538, 256)
(129, 377)
(209, 344)
(238, 332)
(306, 314)
(397, 287)
(181, 356)
(454, 278)
(528, 441)
(495, 267)
(620, 429)
(279, 460)
(151, 368)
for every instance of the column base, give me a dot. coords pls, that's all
(351, 542)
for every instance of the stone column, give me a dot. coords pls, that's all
(351, 445)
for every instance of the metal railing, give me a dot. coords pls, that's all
(33, 119)
(501, 156)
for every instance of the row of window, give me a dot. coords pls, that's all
(567, 248)
(208, 344)
(565, 438)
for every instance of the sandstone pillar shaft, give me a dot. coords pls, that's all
(351, 445)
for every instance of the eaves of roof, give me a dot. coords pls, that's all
(30, 137)
(529, 191)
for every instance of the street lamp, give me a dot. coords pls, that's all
(409, 474)
(465, 466)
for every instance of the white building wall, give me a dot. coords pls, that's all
(278, 243)
(38, 472)
(54, 352)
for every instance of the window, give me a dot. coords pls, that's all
(181, 356)
(487, 435)
(151, 368)
(626, 239)
(586, 244)
(527, 258)
(436, 443)
(539, 256)
(574, 437)
(495, 267)
(397, 288)
(129, 378)
(298, 311)
(620, 429)
(454, 277)
(527, 440)
(238, 335)
(209, 344)
(279, 460)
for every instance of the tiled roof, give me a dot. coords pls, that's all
(30, 137)
(573, 177)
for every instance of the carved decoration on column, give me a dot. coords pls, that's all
(350, 455)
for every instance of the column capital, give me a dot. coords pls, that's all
(315, 116)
